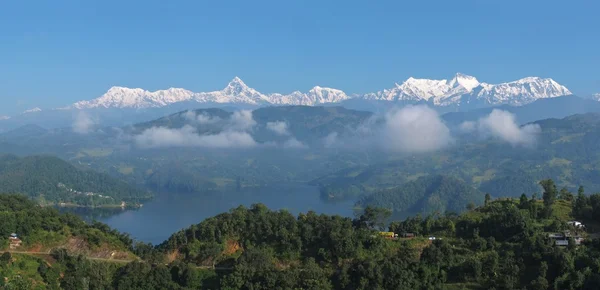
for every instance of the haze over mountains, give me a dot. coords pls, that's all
(462, 94)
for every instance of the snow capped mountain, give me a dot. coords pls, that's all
(596, 97)
(121, 97)
(34, 110)
(425, 89)
(461, 90)
(464, 89)
(521, 92)
(236, 92)
(317, 95)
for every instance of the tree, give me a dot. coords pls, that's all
(488, 198)
(541, 283)
(5, 258)
(470, 206)
(523, 202)
(549, 196)
(374, 217)
(564, 194)
(211, 252)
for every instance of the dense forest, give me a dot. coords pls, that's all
(502, 244)
(426, 195)
(50, 180)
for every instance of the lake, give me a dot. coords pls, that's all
(168, 213)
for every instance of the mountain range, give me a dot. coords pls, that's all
(461, 90)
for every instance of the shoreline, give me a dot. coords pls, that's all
(106, 206)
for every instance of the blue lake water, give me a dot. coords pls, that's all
(169, 213)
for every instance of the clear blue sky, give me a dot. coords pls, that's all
(53, 53)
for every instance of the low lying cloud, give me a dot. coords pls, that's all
(279, 128)
(83, 123)
(242, 121)
(411, 129)
(187, 136)
(200, 119)
(414, 129)
(331, 140)
(293, 143)
(503, 125)
(234, 133)
(468, 127)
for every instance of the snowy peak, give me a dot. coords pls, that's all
(320, 95)
(460, 90)
(465, 81)
(236, 91)
(122, 97)
(464, 89)
(236, 86)
(596, 97)
(521, 92)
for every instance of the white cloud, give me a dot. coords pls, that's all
(279, 127)
(503, 125)
(200, 119)
(187, 136)
(414, 129)
(242, 121)
(468, 126)
(83, 123)
(331, 140)
(293, 143)
(233, 135)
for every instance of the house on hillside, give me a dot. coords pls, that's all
(14, 241)
(562, 239)
(576, 224)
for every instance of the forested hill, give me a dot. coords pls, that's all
(565, 150)
(425, 195)
(50, 180)
(503, 244)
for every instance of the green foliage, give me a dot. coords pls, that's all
(50, 180)
(45, 226)
(425, 195)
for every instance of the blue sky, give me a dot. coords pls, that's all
(53, 53)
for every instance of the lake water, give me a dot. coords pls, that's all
(169, 213)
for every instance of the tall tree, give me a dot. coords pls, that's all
(549, 195)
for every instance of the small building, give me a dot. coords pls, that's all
(561, 242)
(575, 224)
(14, 241)
(388, 235)
(408, 235)
(556, 236)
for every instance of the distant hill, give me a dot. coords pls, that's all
(50, 180)
(425, 195)
(558, 107)
(566, 150)
(306, 123)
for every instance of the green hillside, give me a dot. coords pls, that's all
(425, 195)
(566, 150)
(503, 244)
(50, 180)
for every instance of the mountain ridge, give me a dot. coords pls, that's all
(462, 89)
